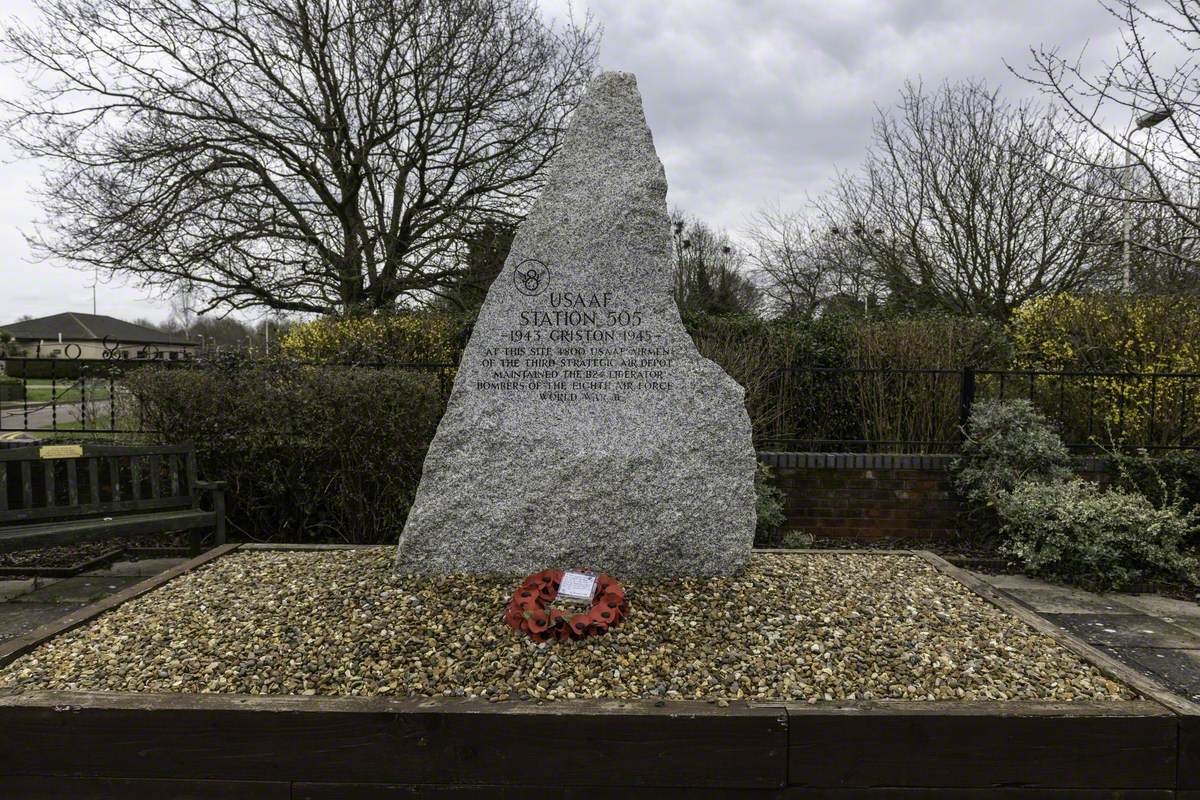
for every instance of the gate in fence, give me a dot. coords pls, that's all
(64, 396)
(60, 395)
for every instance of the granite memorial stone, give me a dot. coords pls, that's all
(584, 428)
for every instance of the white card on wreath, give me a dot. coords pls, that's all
(577, 587)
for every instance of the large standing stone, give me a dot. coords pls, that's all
(584, 428)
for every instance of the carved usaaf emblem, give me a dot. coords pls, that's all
(531, 277)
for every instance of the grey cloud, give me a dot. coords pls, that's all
(758, 102)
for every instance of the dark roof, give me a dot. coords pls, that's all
(91, 327)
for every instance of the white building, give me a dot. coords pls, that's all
(91, 336)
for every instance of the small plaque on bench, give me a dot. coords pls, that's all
(61, 451)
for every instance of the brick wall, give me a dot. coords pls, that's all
(860, 496)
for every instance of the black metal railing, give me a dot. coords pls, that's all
(830, 409)
(60, 395)
(843, 409)
(1155, 410)
(924, 410)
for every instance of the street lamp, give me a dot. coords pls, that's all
(1154, 117)
(1144, 122)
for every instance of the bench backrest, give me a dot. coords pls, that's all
(105, 479)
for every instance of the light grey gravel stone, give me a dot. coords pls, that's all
(584, 428)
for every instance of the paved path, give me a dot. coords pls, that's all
(28, 604)
(1157, 636)
(42, 416)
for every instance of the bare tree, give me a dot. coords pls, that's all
(807, 268)
(710, 274)
(1164, 249)
(300, 155)
(486, 251)
(967, 204)
(1144, 105)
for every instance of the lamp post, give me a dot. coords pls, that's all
(1144, 122)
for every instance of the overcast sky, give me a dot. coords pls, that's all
(752, 102)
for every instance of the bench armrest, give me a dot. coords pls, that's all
(217, 488)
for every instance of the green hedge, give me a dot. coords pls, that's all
(1077, 532)
(330, 454)
(1015, 477)
(11, 388)
(1170, 478)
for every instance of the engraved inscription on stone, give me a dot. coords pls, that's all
(531, 277)
(577, 347)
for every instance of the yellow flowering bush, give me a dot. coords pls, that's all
(1140, 337)
(388, 338)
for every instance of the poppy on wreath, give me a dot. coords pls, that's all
(529, 609)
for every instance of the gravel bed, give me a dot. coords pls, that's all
(805, 626)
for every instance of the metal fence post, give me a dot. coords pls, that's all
(966, 399)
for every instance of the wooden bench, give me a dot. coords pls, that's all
(64, 494)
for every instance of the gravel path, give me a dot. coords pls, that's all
(793, 627)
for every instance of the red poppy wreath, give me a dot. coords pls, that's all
(530, 609)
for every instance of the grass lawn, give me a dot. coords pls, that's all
(73, 432)
(100, 431)
(66, 425)
(65, 391)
